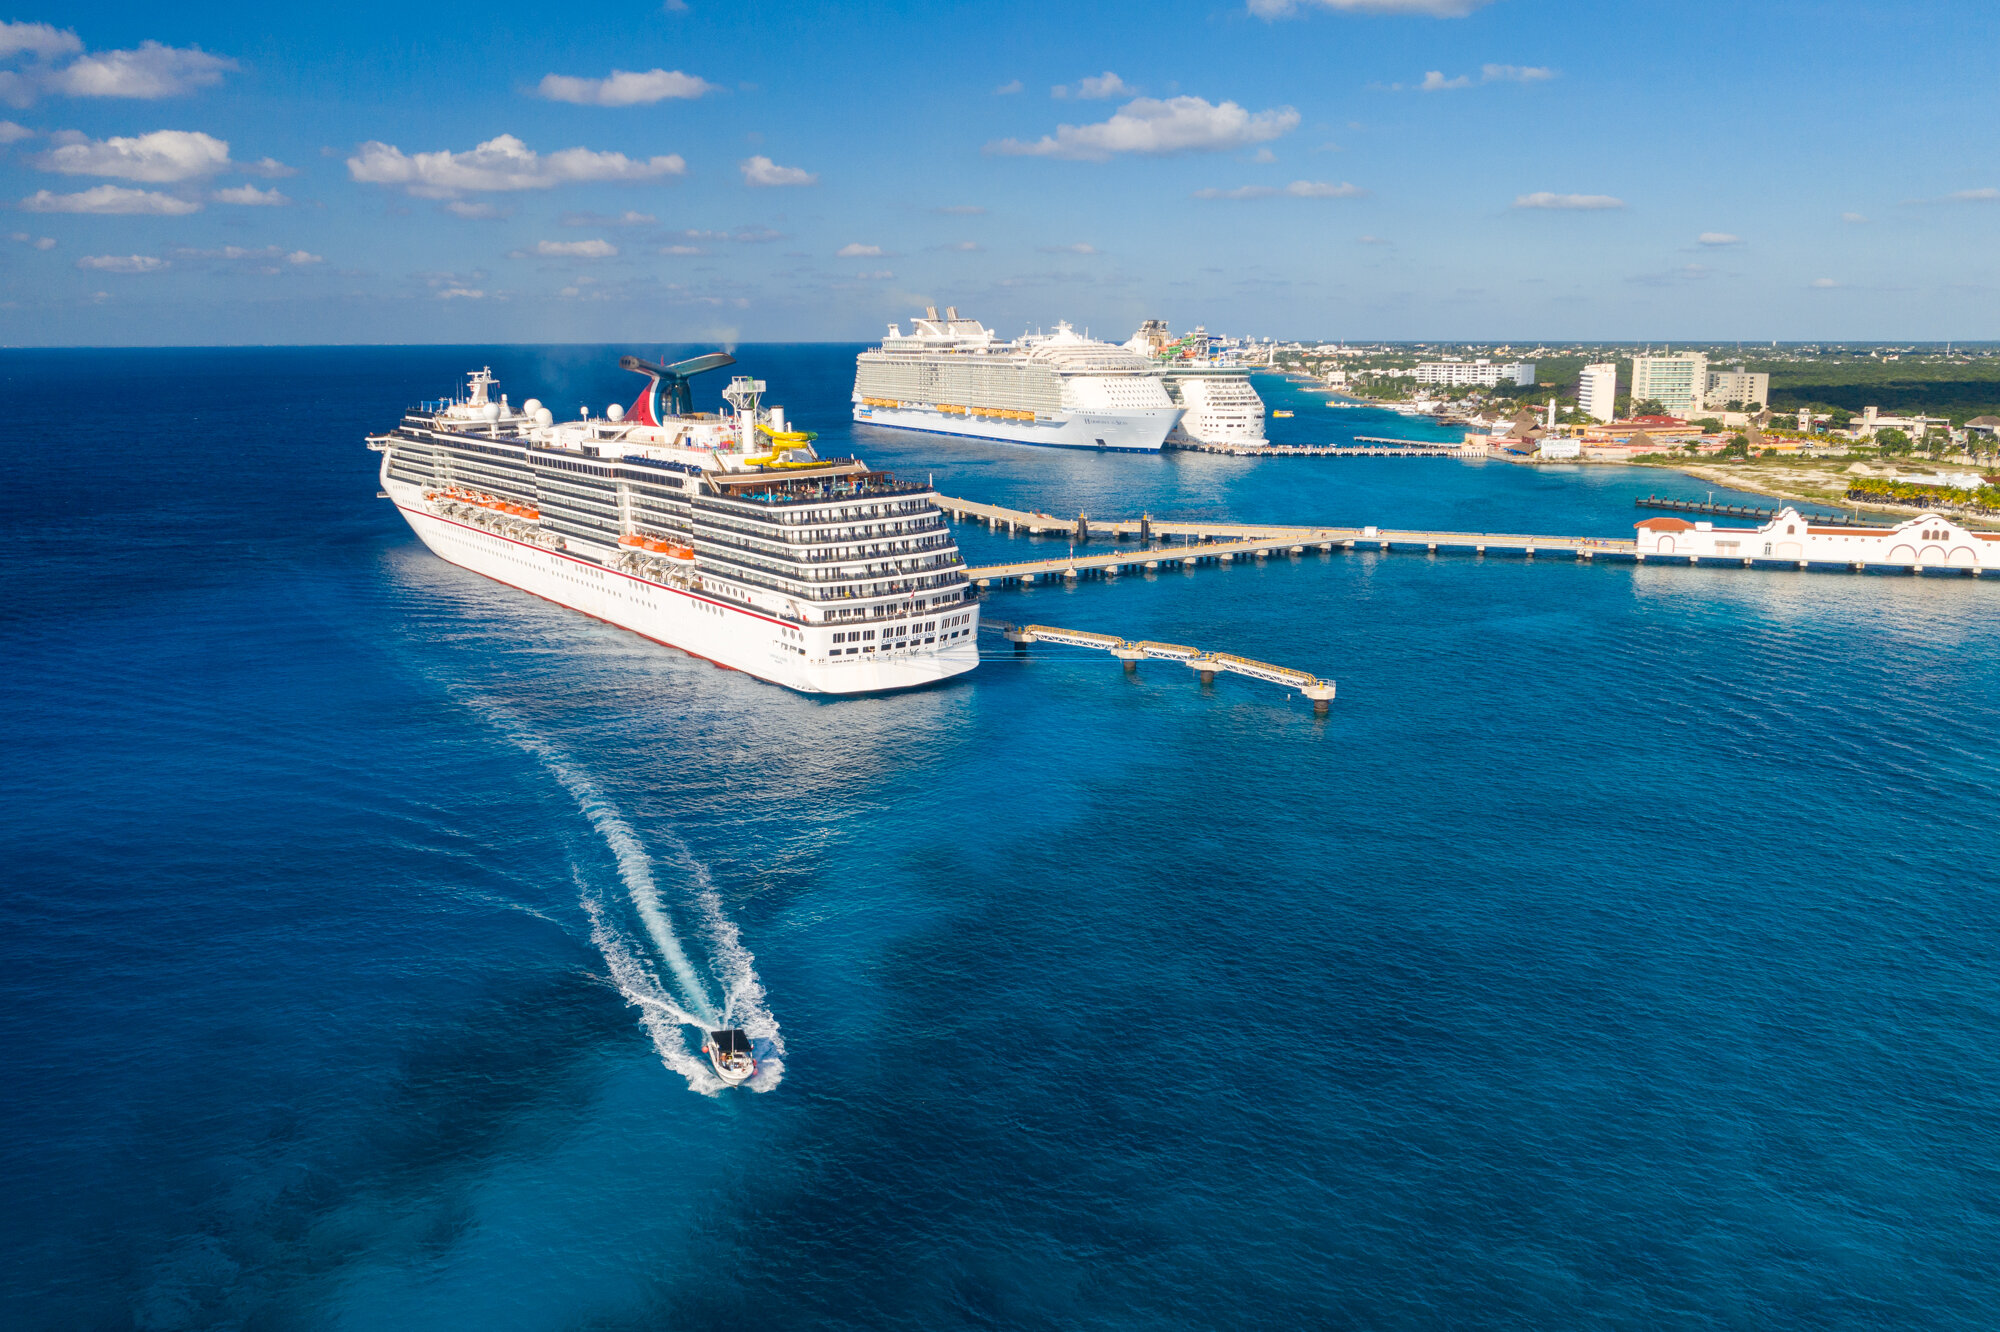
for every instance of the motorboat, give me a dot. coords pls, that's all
(729, 1052)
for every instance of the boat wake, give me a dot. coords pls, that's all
(650, 965)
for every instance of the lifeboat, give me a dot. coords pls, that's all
(673, 550)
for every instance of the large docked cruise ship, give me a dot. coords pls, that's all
(722, 534)
(951, 376)
(1218, 403)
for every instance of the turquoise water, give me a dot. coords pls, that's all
(1618, 953)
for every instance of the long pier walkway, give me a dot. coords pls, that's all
(1205, 664)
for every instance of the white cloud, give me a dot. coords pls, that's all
(742, 235)
(858, 251)
(1152, 126)
(268, 256)
(682, 249)
(761, 170)
(1298, 189)
(1824, 283)
(629, 218)
(1515, 73)
(162, 157)
(963, 247)
(1716, 239)
(1974, 196)
(12, 133)
(624, 88)
(1586, 203)
(251, 197)
(1078, 248)
(270, 168)
(1435, 81)
(1096, 86)
(1008, 88)
(583, 249)
(1426, 8)
(42, 40)
(40, 243)
(109, 199)
(461, 294)
(477, 212)
(1371, 240)
(503, 163)
(1263, 157)
(121, 263)
(151, 71)
(1854, 218)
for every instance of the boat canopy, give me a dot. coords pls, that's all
(733, 1041)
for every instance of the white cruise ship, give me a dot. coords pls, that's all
(723, 535)
(951, 376)
(1219, 404)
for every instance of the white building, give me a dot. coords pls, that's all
(1752, 389)
(1597, 391)
(1476, 374)
(1678, 382)
(1926, 541)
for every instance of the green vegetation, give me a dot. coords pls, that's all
(1986, 499)
(1940, 386)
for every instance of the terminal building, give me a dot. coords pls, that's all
(1926, 541)
(1475, 374)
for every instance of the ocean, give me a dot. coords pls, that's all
(1618, 953)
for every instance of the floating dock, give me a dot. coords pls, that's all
(1207, 665)
(1740, 511)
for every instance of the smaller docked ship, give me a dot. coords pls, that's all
(1218, 403)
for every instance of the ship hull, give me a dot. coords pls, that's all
(701, 626)
(1139, 431)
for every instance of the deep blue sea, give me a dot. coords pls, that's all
(1619, 953)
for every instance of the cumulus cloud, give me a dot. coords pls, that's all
(265, 259)
(1298, 189)
(1586, 203)
(624, 88)
(1078, 248)
(1096, 86)
(12, 133)
(44, 41)
(121, 263)
(583, 249)
(1515, 73)
(503, 163)
(762, 171)
(249, 196)
(152, 71)
(1008, 88)
(858, 251)
(39, 242)
(109, 199)
(162, 157)
(1155, 127)
(629, 218)
(1974, 196)
(1435, 81)
(461, 294)
(682, 249)
(1426, 8)
(1717, 239)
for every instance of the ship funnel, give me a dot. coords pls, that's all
(930, 312)
(951, 312)
(668, 394)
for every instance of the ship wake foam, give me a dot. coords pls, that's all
(641, 972)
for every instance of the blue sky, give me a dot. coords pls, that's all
(1516, 169)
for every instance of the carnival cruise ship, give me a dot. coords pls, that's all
(1218, 403)
(951, 376)
(722, 534)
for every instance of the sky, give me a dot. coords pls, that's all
(1501, 170)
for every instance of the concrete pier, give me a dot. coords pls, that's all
(1205, 665)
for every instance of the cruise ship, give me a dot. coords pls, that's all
(722, 534)
(951, 376)
(1218, 403)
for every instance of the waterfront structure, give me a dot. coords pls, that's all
(1927, 541)
(951, 376)
(1750, 388)
(1597, 392)
(1678, 382)
(1204, 378)
(722, 534)
(1475, 374)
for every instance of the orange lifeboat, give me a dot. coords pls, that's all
(673, 550)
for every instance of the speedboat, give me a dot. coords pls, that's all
(729, 1051)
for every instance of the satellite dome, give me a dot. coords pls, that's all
(614, 412)
(491, 411)
(531, 406)
(543, 416)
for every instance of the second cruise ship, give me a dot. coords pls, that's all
(951, 376)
